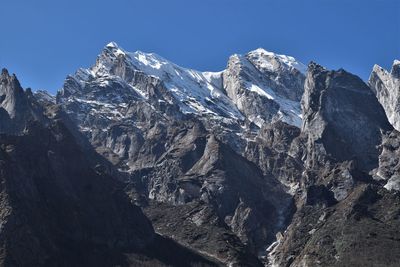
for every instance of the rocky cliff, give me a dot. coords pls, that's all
(386, 86)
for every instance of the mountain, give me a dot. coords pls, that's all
(127, 102)
(266, 163)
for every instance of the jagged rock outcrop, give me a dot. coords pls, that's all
(15, 108)
(386, 86)
(342, 119)
(389, 165)
(277, 151)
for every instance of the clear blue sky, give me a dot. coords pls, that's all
(44, 40)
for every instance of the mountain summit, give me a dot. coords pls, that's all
(236, 94)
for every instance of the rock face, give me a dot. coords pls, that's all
(277, 150)
(15, 107)
(386, 87)
(340, 218)
(389, 168)
(361, 230)
(342, 119)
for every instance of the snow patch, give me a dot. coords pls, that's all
(254, 88)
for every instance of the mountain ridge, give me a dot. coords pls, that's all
(202, 84)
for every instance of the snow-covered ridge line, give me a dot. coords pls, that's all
(204, 93)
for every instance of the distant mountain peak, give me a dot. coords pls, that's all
(112, 45)
(4, 72)
(261, 50)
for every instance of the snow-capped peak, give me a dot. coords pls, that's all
(262, 51)
(197, 92)
(115, 49)
(112, 45)
(376, 67)
(267, 60)
(202, 93)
